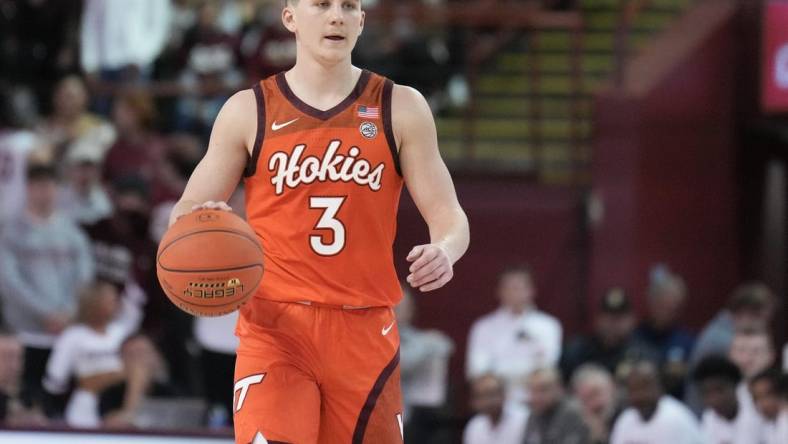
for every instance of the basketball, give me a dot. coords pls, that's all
(209, 262)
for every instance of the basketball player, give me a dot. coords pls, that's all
(324, 150)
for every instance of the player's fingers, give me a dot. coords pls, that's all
(432, 277)
(414, 253)
(203, 206)
(212, 205)
(427, 255)
(436, 284)
(426, 271)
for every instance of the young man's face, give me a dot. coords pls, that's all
(596, 396)
(644, 391)
(328, 29)
(766, 399)
(751, 353)
(41, 195)
(544, 392)
(516, 290)
(719, 394)
(487, 396)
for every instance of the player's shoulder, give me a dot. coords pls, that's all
(240, 102)
(239, 113)
(407, 97)
(410, 112)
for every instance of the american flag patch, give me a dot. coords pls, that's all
(369, 112)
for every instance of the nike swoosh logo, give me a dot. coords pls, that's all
(386, 330)
(276, 127)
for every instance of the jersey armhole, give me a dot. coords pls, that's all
(388, 127)
(251, 166)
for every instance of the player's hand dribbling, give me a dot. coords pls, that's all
(182, 208)
(431, 268)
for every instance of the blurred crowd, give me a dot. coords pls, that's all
(630, 379)
(102, 119)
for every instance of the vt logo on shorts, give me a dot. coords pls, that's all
(260, 439)
(243, 386)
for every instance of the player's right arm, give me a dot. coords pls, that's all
(218, 173)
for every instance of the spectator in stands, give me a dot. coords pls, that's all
(123, 251)
(496, 421)
(12, 412)
(125, 256)
(137, 150)
(266, 46)
(516, 338)
(594, 389)
(751, 306)
(764, 388)
(90, 352)
(208, 58)
(652, 417)
(83, 197)
(612, 340)
(45, 260)
(424, 367)
(120, 39)
(661, 329)
(752, 352)
(552, 419)
(71, 127)
(724, 418)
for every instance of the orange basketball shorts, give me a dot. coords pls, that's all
(309, 374)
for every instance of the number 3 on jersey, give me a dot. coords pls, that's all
(328, 221)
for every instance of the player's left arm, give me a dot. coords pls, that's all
(432, 189)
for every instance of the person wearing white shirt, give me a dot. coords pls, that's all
(752, 351)
(725, 420)
(765, 387)
(496, 421)
(424, 369)
(91, 352)
(653, 417)
(217, 341)
(117, 34)
(515, 339)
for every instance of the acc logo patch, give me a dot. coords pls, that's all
(368, 130)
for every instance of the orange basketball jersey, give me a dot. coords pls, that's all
(322, 192)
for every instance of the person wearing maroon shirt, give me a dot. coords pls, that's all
(138, 150)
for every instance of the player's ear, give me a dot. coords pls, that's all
(288, 19)
(361, 26)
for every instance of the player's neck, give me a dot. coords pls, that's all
(322, 86)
